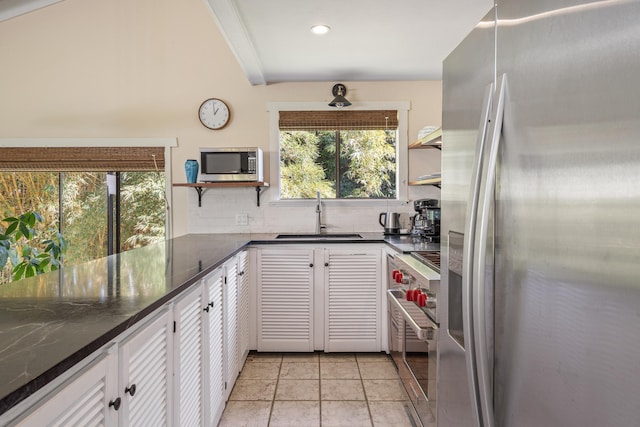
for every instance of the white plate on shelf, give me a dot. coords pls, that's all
(426, 131)
(433, 175)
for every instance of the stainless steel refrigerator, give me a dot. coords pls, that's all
(540, 245)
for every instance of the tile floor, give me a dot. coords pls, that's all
(317, 389)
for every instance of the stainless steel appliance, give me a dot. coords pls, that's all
(426, 222)
(231, 164)
(413, 331)
(390, 221)
(540, 204)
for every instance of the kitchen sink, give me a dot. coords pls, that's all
(320, 236)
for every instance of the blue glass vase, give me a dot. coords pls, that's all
(191, 169)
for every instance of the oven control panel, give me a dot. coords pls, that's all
(419, 282)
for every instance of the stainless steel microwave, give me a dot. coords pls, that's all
(231, 164)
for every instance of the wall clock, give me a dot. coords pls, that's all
(214, 113)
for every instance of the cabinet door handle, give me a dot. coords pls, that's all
(241, 273)
(326, 264)
(131, 390)
(211, 304)
(311, 265)
(206, 308)
(115, 403)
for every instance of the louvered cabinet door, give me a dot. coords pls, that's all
(145, 374)
(285, 300)
(215, 347)
(84, 401)
(231, 336)
(188, 363)
(352, 300)
(243, 305)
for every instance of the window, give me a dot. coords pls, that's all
(104, 200)
(343, 154)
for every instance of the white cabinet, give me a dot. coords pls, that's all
(84, 399)
(337, 288)
(285, 299)
(177, 367)
(145, 374)
(202, 340)
(210, 344)
(236, 317)
(243, 305)
(189, 354)
(128, 384)
(231, 336)
(215, 328)
(352, 300)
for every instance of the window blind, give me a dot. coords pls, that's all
(339, 120)
(94, 159)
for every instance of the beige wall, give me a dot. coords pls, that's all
(141, 68)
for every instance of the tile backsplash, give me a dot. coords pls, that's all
(223, 210)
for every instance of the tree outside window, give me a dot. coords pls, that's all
(82, 208)
(338, 164)
(342, 155)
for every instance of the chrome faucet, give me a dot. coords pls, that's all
(319, 226)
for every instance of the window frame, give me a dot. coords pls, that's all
(167, 143)
(402, 155)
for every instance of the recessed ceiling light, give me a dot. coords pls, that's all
(320, 29)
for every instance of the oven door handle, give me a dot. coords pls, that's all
(424, 333)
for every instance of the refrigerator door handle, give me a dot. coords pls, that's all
(467, 257)
(487, 191)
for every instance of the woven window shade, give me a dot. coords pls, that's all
(94, 159)
(339, 120)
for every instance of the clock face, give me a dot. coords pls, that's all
(214, 113)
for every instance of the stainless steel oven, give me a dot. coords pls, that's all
(413, 331)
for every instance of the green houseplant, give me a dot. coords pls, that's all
(28, 254)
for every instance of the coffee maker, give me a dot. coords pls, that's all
(426, 222)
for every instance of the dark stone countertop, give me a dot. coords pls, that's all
(51, 322)
(410, 244)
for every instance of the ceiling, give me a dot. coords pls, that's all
(370, 40)
(12, 8)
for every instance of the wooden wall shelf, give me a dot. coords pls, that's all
(201, 187)
(431, 181)
(432, 140)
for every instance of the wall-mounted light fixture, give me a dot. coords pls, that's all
(339, 91)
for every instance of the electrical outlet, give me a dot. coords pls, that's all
(242, 219)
